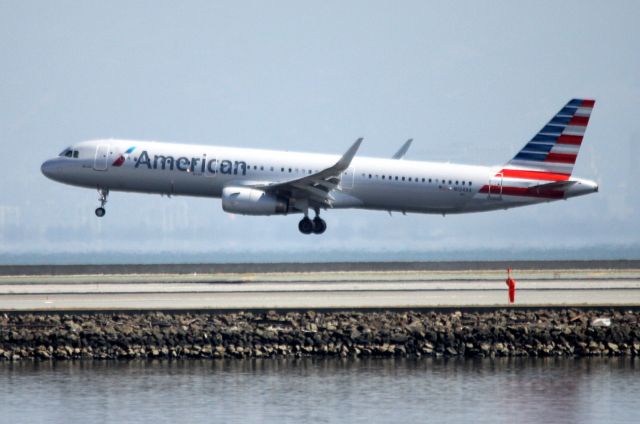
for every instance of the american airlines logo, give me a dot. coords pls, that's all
(183, 163)
(122, 158)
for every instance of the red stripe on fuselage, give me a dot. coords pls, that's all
(523, 192)
(534, 175)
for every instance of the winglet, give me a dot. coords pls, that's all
(346, 159)
(403, 150)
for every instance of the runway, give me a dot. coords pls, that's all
(360, 289)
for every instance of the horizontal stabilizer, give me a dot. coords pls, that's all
(556, 185)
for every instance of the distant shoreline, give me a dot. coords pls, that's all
(381, 266)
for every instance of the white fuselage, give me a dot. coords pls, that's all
(368, 183)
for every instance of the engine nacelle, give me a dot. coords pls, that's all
(251, 201)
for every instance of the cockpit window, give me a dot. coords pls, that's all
(69, 153)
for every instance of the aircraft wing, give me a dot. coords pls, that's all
(316, 188)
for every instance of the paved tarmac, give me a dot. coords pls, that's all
(311, 290)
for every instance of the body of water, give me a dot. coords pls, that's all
(329, 390)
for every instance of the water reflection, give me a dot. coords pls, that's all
(366, 390)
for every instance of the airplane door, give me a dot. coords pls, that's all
(346, 179)
(495, 187)
(102, 155)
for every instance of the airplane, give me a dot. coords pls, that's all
(266, 182)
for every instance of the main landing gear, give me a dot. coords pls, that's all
(316, 226)
(102, 198)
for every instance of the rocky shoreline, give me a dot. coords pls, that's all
(567, 333)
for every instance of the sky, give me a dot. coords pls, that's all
(469, 81)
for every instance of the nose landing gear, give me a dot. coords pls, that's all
(102, 198)
(316, 226)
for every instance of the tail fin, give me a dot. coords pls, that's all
(551, 154)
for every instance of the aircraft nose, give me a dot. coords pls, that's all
(50, 169)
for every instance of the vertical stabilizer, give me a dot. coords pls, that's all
(552, 152)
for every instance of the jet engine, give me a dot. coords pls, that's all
(251, 201)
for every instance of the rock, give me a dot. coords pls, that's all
(416, 328)
(399, 338)
(355, 335)
(427, 348)
(42, 353)
(601, 322)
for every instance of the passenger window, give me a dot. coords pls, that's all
(409, 178)
(469, 182)
(429, 180)
(402, 178)
(369, 175)
(396, 178)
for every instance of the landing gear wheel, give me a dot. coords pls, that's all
(103, 193)
(319, 225)
(305, 225)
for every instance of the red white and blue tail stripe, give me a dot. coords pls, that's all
(542, 169)
(552, 152)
